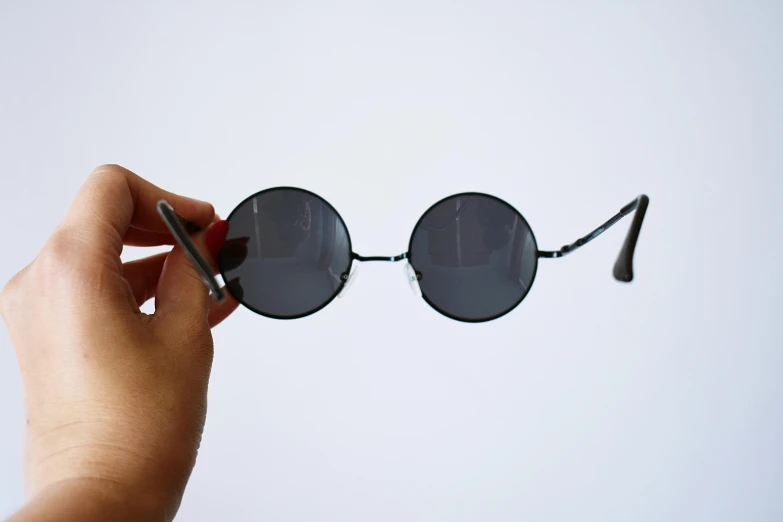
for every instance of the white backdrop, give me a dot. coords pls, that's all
(592, 401)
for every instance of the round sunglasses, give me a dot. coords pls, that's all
(472, 257)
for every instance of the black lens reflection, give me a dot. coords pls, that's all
(476, 255)
(285, 253)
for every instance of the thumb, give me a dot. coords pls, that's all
(181, 290)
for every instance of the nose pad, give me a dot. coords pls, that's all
(413, 279)
(350, 280)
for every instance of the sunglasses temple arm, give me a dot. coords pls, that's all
(623, 267)
(176, 224)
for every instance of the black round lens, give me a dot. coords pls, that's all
(287, 253)
(475, 257)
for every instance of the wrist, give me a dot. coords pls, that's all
(96, 499)
(110, 473)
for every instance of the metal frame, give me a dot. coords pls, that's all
(623, 268)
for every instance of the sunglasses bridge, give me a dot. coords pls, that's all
(392, 259)
(412, 276)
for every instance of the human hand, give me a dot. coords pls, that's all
(115, 398)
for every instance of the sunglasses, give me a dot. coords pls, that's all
(472, 256)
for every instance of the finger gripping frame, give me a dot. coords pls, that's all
(176, 224)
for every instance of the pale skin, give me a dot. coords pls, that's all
(115, 398)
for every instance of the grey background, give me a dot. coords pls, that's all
(594, 400)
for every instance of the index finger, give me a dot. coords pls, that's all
(114, 199)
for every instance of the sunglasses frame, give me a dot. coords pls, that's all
(623, 268)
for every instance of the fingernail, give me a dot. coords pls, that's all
(215, 237)
(235, 289)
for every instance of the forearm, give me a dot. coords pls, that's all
(96, 500)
